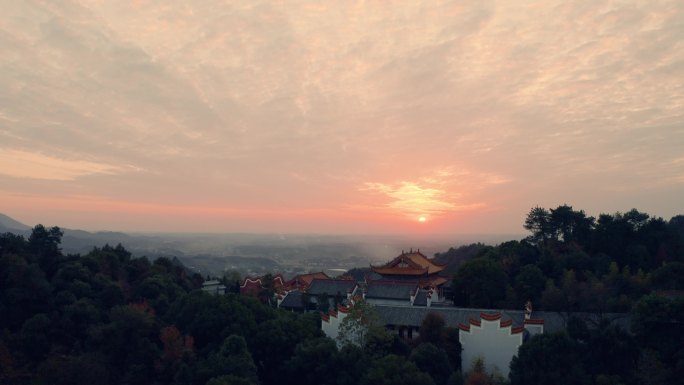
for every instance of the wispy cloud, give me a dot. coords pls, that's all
(295, 104)
(413, 199)
(22, 164)
(446, 190)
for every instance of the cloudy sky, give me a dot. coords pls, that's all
(338, 117)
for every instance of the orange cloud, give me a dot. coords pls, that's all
(22, 164)
(413, 199)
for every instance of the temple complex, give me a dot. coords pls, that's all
(411, 279)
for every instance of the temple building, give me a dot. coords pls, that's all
(493, 334)
(335, 291)
(411, 286)
(410, 279)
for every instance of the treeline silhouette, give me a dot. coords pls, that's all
(107, 317)
(573, 262)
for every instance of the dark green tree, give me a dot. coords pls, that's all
(314, 362)
(452, 346)
(658, 325)
(44, 244)
(538, 221)
(230, 380)
(570, 225)
(395, 370)
(34, 337)
(233, 358)
(668, 277)
(12, 243)
(274, 342)
(432, 328)
(530, 283)
(549, 359)
(433, 361)
(480, 283)
(611, 353)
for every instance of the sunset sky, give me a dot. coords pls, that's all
(338, 117)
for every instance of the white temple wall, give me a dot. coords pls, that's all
(496, 345)
(331, 328)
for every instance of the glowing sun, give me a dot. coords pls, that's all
(422, 219)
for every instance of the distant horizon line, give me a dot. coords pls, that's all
(436, 235)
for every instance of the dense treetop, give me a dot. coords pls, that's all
(572, 262)
(107, 317)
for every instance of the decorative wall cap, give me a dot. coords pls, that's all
(490, 317)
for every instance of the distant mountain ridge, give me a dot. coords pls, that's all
(73, 241)
(257, 254)
(7, 224)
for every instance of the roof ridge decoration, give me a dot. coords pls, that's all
(343, 309)
(392, 283)
(412, 263)
(405, 259)
(259, 279)
(497, 316)
(251, 280)
(332, 280)
(505, 324)
(400, 270)
(490, 316)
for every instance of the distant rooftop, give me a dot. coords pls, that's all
(412, 263)
(331, 286)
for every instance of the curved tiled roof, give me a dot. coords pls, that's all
(293, 300)
(303, 280)
(390, 290)
(421, 298)
(400, 271)
(454, 316)
(331, 286)
(411, 263)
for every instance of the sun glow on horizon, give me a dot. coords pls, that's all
(422, 219)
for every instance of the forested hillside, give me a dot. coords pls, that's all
(572, 262)
(109, 318)
(624, 262)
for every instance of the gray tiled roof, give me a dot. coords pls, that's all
(421, 298)
(375, 277)
(390, 290)
(557, 321)
(293, 300)
(553, 321)
(413, 316)
(331, 286)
